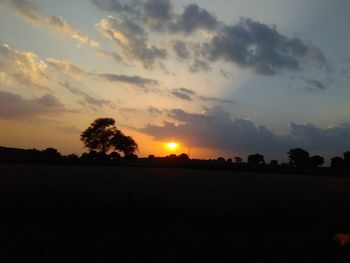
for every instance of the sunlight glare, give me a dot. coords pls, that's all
(172, 146)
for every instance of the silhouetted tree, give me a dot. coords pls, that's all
(124, 144)
(114, 156)
(273, 163)
(298, 157)
(229, 160)
(220, 160)
(51, 154)
(337, 162)
(238, 160)
(346, 161)
(102, 136)
(183, 157)
(316, 161)
(256, 159)
(72, 158)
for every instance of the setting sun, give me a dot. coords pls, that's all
(172, 146)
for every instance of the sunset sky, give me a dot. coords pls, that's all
(223, 78)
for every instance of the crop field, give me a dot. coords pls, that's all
(123, 214)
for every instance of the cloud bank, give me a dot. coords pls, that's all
(247, 44)
(216, 129)
(14, 106)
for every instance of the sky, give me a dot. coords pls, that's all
(221, 78)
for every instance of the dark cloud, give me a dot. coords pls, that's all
(115, 5)
(88, 99)
(314, 84)
(216, 129)
(255, 45)
(13, 106)
(181, 50)
(181, 95)
(157, 13)
(194, 18)
(134, 80)
(249, 44)
(199, 66)
(188, 91)
(213, 99)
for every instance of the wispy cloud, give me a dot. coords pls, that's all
(32, 12)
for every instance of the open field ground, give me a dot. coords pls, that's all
(105, 214)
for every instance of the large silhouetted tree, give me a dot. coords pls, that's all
(316, 160)
(256, 159)
(102, 136)
(298, 157)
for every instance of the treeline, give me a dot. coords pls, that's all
(299, 160)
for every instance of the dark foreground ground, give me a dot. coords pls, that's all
(104, 214)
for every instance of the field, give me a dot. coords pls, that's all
(105, 214)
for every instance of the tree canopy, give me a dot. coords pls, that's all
(103, 136)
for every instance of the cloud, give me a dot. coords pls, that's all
(216, 129)
(132, 39)
(158, 15)
(23, 67)
(255, 45)
(184, 94)
(65, 66)
(181, 50)
(213, 99)
(13, 106)
(194, 18)
(88, 99)
(62, 26)
(314, 84)
(248, 44)
(189, 95)
(199, 66)
(31, 11)
(115, 5)
(69, 68)
(134, 80)
(181, 95)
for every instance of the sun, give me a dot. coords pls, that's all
(172, 146)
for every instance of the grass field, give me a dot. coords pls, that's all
(105, 214)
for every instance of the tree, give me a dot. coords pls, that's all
(273, 163)
(256, 159)
(316, 161)
(298, 157)
(337, 162)
(102, 136)
(124, 144)
(346, 156)
(238, 160)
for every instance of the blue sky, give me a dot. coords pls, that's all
(221, 77)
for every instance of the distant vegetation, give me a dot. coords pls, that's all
(107, 145)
